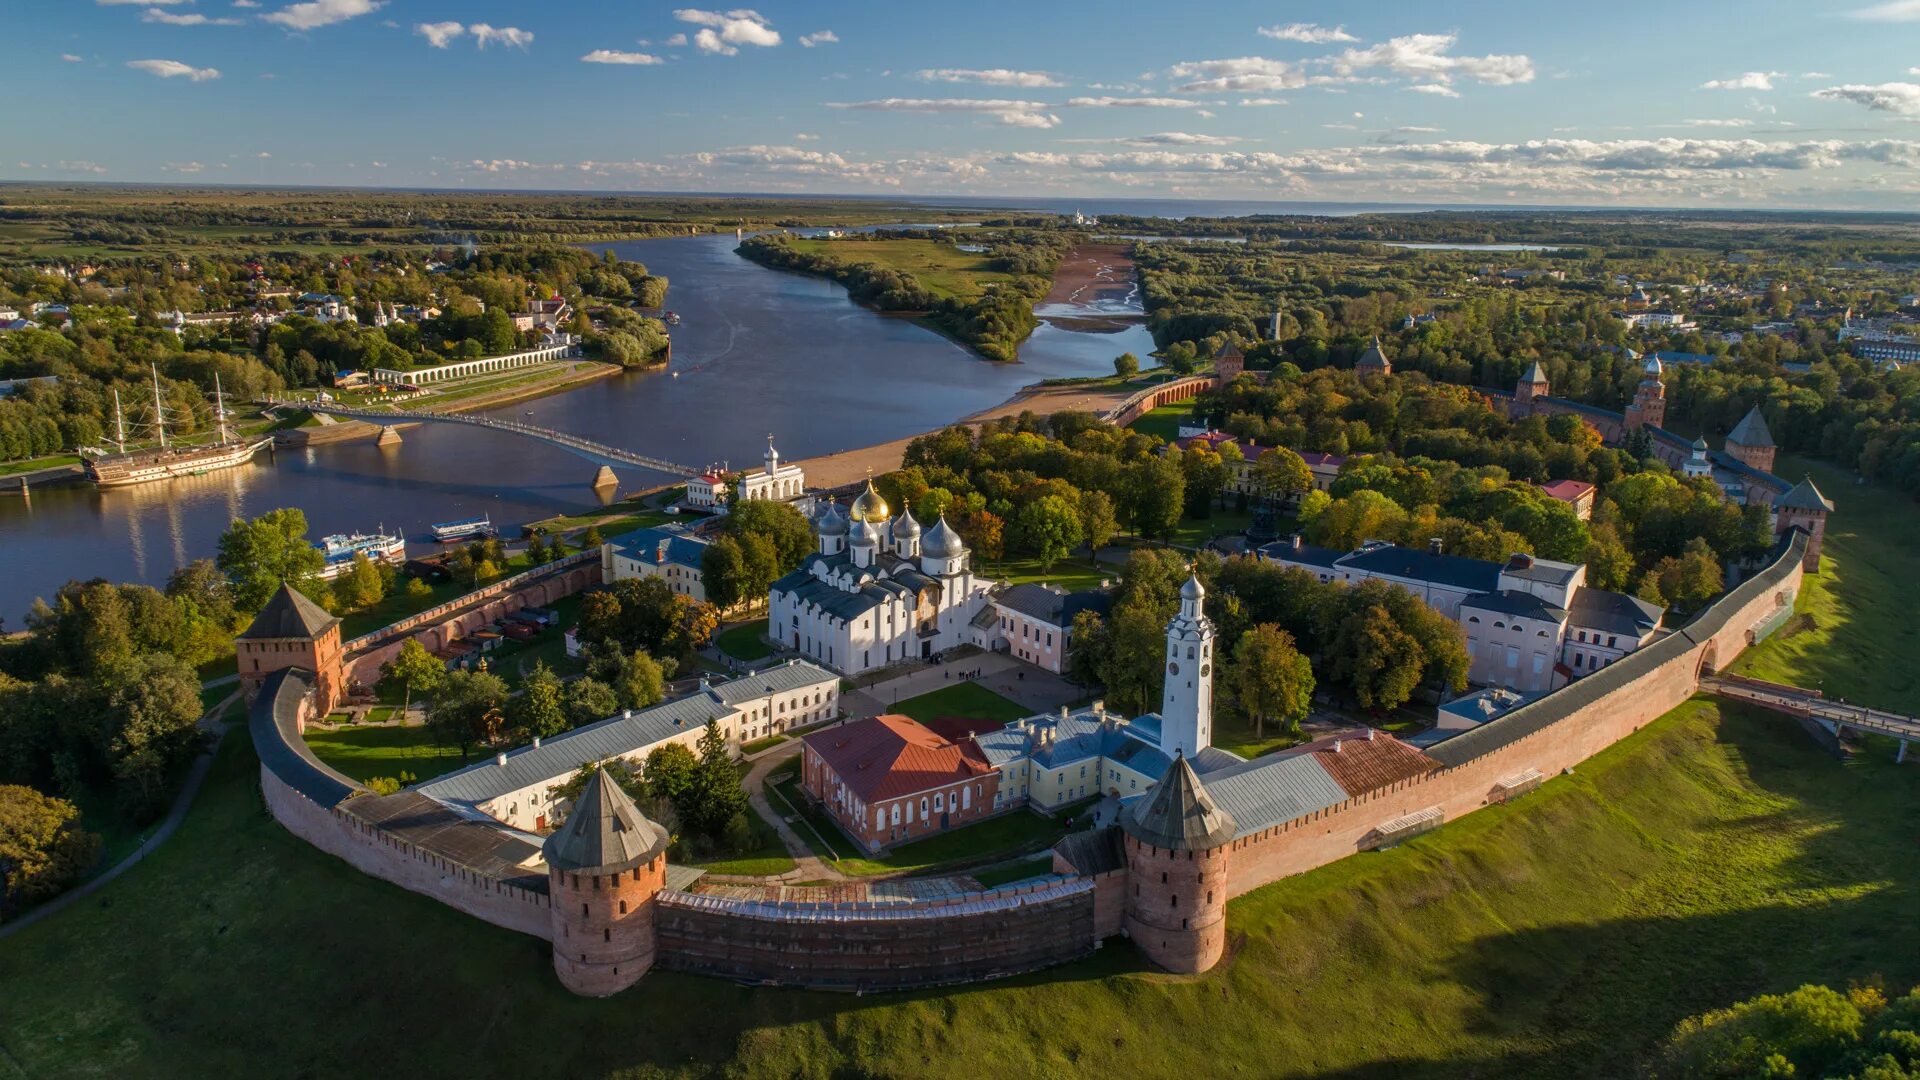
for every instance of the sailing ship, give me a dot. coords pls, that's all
(125, 467)
(339, 549)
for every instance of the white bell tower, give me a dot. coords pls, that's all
(1186, 706)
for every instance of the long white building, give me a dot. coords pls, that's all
(774, 480)
(879, 591)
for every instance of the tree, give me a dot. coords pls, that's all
(1092, 649)
(589, 701)
(1808, 1032)
(540, 708)
(207, 614)
(1047, 528)
(43, 847)
(592, 538)
(723, 573)
(1269, 678)
(1280, 473)
(467, 710)
(1126, 365)
(414, 668)
(361, 586)
(259, 556)
(671, 771)
(152, 707)
(781, 524)
(716, 794)
(1156, 493)
(636, 678)
(1380, 662)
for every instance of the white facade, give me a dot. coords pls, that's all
(1186, 705)
(773, 481)
(877, 592)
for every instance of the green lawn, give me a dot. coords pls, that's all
(967, 699)
(1193, 532)
(767, 857)
(745, 642)
(1072, 575)
(1702, 861)
(11, 468)
(1164, 422)
(758, 745)
(364, 752)
(1854, 634)
(997, 838)
(1235, 734)
(942, 268)
(1015, 871)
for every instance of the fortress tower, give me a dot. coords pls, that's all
(604, 867)
(1751, 442)
(1804, 507)
(1532, 385)
(293, 632)
(1186, 705)
(1374, 360)
(1176, 844)
(1649, 408)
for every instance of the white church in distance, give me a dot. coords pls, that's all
(880, 590)
(774, 480)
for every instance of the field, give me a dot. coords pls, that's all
(364, 752)
(942, 268)
(966, 699)
(1163, 422)
(745, 642)
(1705, 859)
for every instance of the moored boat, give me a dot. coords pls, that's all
(452, 532)
(340, 548)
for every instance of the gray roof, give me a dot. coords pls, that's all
(1053, 606)
(1535, 374)
(942, 542)
(683, 547)
(290, 615)
(1751, 430)
(1548, 571)
(1179, 814)
(1419, 564)
(1093, 851)
(273, 721)
(618, 736)
(1804, 496)
(1612, 612)
(605, 833)
(1374, 356)
(1519, 604)
(1270, 790)
(1306, 554)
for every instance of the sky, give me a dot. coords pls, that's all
(1767, 103)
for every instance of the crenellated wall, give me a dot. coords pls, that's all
(442, 625)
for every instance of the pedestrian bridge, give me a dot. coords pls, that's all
(1835, 716)
(599, 453)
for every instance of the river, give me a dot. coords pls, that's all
(757, 351)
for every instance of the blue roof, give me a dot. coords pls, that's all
(1419, 564)
(683, 547)
(1305, 554)
(1684, 357)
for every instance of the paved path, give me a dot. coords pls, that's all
(1813, 704)
(196, 775)
(1033, 688)
(809, 867)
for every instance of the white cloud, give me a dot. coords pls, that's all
(183, 166)
(1896, 11)
(1307, 33)
(805, 137)
(1900, 98)
(988, 76)
(317, 13)
(818, 37)
(511, 36)
(80, 166)
(1262, 101)
(1815, 75)
(722, 31)
(615, 56)
(439, 34)
(142, 3)
(1246, 73)
(1132, 103)
(674, 42)
(1176, 138)
(1752, 80)
(174, 69)
(191, 18)
(263, 154)
(246, 3)
(1428, 57)
(72, 59)
(1010, 113)
(1436, 89)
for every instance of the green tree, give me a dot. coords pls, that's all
(671, 773)
(1126, 365)
(1808, 1031)
(468, 710)
(723, 574)
(152, 709)
(589, 701)
(1380, 662)
(1280, 473)
(414, 668)
(259, 556)
(361, 586)
(592, 538)
(1156, 493)
(1097, 522)
(540, 708)
(1047, 529)
(716, 794)
(43, 847)
(1269, 678)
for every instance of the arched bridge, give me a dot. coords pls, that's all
(599, 453)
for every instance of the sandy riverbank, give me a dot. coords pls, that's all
(1092, 286)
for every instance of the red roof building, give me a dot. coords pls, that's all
(1575, 493)
(890, 779)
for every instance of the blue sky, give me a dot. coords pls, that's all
(1767, 103)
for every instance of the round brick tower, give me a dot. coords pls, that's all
(604, 867)
(1176, 843)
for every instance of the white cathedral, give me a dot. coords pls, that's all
(880, 590)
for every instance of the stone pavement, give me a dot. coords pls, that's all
(1038, 690)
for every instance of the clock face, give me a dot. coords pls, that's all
(1173, 669)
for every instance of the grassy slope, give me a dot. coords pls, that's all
(941, 268)
(1697, 863)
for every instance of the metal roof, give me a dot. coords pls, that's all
(1054, 607)
(274, 723)
(290, 615)
(605, 833)
(683, 546)
(1268, 791)
(1612, 612)
(1179, 814)
(1418, 564)
(1751, 430)
(1509, 602)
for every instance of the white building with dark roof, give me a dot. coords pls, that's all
(880, 590)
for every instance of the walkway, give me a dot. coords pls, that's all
(599, 453)
(1038, 690)
(196, 776)
(807, 865)
(1836, 716)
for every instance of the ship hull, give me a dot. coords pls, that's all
(129, 470)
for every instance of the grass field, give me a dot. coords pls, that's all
(1704, 860)
(745, 642)
(363, 752)
(9, 468)
(1164, 422)
(1072, 575)
(1015, 871)
(942, 268)
(966, 699)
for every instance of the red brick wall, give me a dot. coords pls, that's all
(603, 938)
(818, 779)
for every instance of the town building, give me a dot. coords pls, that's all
(294, 632)
(1531, 625)
(879, 591)
(889, 780)
(1036, 622)
(1575, 493)
(675, 554)
(1654, 320)
(774, 480)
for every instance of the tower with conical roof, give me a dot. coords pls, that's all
(1186, 702)
(604, 868)
(1532, 386)
(1176, 848)
(294, 632)
(1649, 406)
(1803, 507)
(1374, 360)
(1751, 442)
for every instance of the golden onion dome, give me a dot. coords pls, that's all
(869, 507)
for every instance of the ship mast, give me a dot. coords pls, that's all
(159, 411)
(119, 424)
(220, 409)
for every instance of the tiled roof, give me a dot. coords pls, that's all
(1317, 457)
(887, 757)
(290, 615)
(1362, 762)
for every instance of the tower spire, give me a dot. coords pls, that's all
(1186, 704)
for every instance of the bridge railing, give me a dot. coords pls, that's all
(560, 438)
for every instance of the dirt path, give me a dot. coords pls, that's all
(807, 865)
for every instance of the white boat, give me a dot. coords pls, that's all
(340, 548)
(452, 532)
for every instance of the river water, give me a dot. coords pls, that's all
(757, 351)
